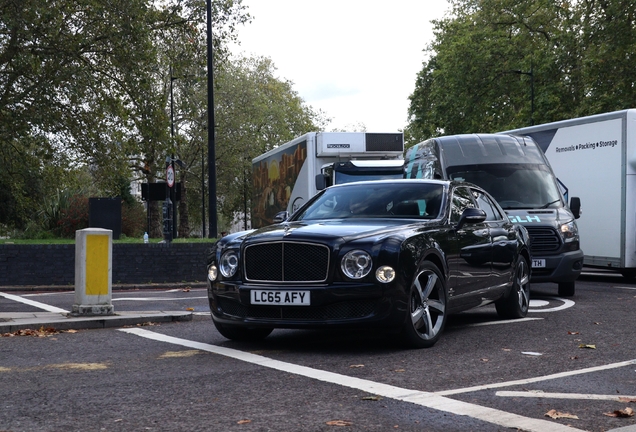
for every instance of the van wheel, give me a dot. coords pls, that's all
(566, 289)
(517, 303)
(427, 308)
(239, 333)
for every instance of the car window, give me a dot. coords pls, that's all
(462, 200)
(383, 200)
(484, 203)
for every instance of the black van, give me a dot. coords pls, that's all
(514, 170)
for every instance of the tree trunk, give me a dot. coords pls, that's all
(184, 220)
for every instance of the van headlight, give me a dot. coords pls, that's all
(228, 264)
(569, 232)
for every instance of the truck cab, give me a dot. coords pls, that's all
(514, 170)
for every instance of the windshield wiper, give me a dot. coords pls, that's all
(549, 204)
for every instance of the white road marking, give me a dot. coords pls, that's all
(566, 304)
(537, 379)
(430, 400)
(511, 321)
(538, 303)
(540, 394)
(156, 298)
(33, 303)
(628, 288)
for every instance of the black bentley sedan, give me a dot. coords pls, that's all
(401, 255)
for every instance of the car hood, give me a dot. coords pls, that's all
(329, 230)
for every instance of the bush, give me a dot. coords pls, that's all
(133, 219)
(73, 217)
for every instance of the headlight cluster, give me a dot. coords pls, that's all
(569, 232)
(357, 264)
(229, 263)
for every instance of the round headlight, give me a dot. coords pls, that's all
(229, 264)
(385, 274)
(213, 272)
(356, 264)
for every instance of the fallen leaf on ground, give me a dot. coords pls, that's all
(627, 412)
(587, 346)
(190, 309)
(186, 289)
(244, 421)
(573, 333)
(42, 332)
(484, 359)
(506, 349)
(626, 399)
(339, 423)
(400, 370)
(557, 415)
(357, 366)
(597, 323)
(372, 398)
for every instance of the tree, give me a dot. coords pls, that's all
(255, 112)
(488, 56)
(84, 83)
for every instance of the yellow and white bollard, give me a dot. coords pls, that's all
(93, 272)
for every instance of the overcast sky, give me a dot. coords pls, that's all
(356, 60)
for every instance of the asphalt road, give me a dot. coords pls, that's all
(574, 356)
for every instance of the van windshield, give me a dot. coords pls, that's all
(514, 186)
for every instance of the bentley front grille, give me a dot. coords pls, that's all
(286, 262)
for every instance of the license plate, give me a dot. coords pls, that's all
(538, 263)
(288, 298)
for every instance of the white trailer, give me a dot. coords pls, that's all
(595, 158)
(285, 177)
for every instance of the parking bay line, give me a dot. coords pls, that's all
(536, 379)
(540, 394)
(33, 303)
(426, 399)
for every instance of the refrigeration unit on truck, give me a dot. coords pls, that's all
(595, 157)
(517, 174)
(285, 177)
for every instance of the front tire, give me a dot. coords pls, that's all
(518, 301)
(427, 308)
(566, 289)
(239, 333)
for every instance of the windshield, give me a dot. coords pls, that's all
(350, 177)
(514, 186)
(391, 199)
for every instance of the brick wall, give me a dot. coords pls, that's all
(132, 263)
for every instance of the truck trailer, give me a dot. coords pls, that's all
(595, 157)
(285, 177)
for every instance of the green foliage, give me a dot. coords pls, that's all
(73, 217)
(133, 219)
(255, 112)
(488, 56)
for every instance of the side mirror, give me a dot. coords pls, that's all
(575, 206)
(471, 216)
(321, 181)
(281, 217)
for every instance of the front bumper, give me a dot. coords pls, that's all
(337, 305)
(565, 267)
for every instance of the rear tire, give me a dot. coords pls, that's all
(518, 301)
(427, 308)
(566, 289)
(239, 333)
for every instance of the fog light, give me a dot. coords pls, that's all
(385, 274)
(212, 272)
